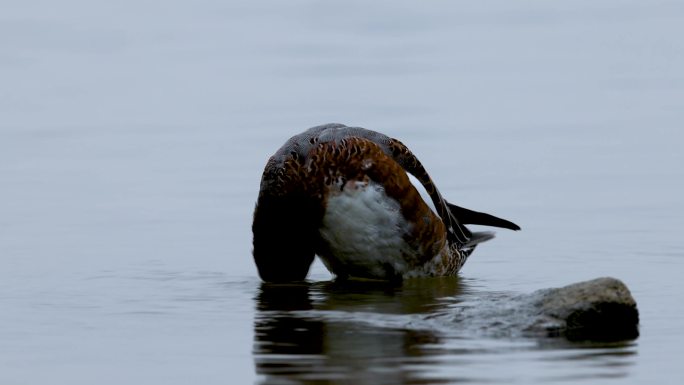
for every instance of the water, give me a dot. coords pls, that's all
(133, 136)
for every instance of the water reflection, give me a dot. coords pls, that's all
(339, 332)
(374, 333)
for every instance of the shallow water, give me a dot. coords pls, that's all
(133, 137)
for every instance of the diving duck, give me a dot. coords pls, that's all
(364, 204)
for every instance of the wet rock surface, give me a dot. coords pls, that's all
(601, 309)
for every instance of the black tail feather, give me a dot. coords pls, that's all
(479, 237)
(470, 217)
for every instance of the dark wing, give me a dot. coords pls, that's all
(454, 217)
(457, 233)
(402, 155)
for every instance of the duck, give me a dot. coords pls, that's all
(364, 204)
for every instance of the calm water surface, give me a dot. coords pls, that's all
(133, 136)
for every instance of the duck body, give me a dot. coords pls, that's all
(346, 195)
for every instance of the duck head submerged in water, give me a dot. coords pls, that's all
(353, 197)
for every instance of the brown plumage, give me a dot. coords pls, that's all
(343, 193)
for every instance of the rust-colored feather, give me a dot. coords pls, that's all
(313, 166)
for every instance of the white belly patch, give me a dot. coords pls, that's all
(364, 230)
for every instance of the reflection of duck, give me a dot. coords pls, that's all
(320, 332)
(351, 196)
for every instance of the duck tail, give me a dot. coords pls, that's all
(479, 237)
(470, 217)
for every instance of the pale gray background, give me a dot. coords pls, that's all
(133, 135)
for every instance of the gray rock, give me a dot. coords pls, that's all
(602, 309)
